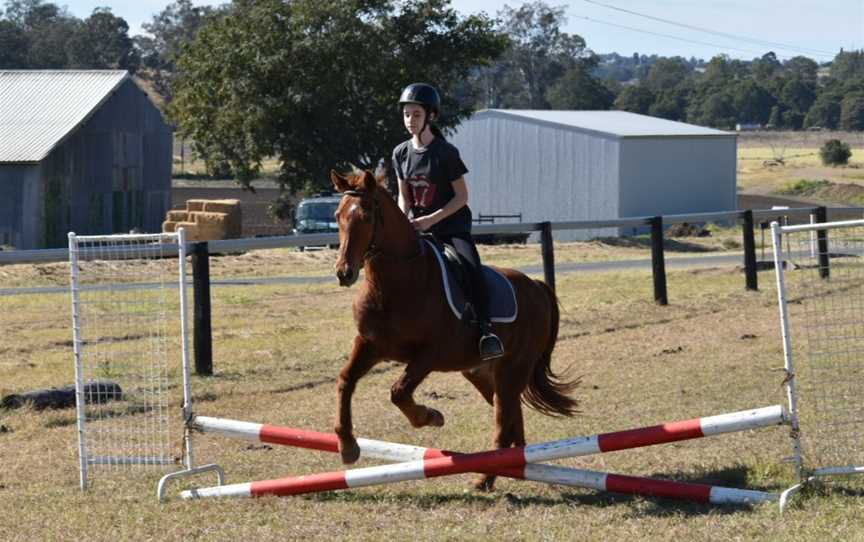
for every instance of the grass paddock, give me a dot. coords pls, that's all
(278, 348)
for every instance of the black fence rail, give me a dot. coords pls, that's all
(200, 252)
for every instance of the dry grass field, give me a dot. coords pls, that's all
(277, 349)
(768, 162)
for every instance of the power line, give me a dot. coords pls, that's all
(754, 41)
(723, 47)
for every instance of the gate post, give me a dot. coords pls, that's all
(202, 334)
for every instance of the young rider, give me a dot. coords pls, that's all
(434, 195)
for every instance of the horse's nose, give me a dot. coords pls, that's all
(346, 276)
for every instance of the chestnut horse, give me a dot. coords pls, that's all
(402, 315)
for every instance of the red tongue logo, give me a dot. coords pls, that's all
(422, 191)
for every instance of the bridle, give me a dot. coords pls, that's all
(372, 250)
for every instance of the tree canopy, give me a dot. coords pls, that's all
(39, 35)
(315, 84)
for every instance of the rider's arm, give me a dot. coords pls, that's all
(459, 200)
(404, 196)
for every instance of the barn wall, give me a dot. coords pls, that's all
(542, 171)
(110, 175)
(132, 166)
(20, 197)
(669, 175)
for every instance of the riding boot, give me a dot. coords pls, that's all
(490, 345)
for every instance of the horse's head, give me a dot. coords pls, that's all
(359, 219)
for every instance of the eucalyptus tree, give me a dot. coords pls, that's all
(315, 84)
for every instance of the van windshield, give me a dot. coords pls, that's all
(316, 217)
(316, 211)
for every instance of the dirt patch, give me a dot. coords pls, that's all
(687, 230)
(840, 193)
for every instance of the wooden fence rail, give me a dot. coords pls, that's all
(200, 253)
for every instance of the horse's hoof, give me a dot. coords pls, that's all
(350, 453)
(485, 484)
(435, 418)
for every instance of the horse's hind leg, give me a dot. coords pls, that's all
(509, 431)
(402, 395)
(483, 379)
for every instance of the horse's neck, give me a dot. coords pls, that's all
(399, 238)
(401, 261)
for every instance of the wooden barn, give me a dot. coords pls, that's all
(594, 165)
(82, 151)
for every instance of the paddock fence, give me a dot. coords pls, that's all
(47, 287)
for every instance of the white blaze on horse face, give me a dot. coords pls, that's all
(349, 257)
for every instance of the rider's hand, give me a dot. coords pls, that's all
(422, 223)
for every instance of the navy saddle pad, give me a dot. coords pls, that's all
(502, 297)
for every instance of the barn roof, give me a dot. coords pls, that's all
(39, 108)
(609, 123)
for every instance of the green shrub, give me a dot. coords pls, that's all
(804, 187)
(835, 153)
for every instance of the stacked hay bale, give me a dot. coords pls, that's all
(206, 220)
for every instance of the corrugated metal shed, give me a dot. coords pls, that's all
(41, 108)
(611, 123)
(83, 151)
(593, 165)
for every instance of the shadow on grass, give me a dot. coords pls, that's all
(671, 245)
(642, 506)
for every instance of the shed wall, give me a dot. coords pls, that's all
(541, 171)
(110, 175)
(20, 190)
(675, 175)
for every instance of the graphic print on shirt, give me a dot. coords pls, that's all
(422, 191)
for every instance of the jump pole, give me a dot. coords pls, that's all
(420, 462)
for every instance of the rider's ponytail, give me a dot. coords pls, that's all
(436, 131)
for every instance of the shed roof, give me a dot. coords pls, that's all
(609, 123)
(39, 108)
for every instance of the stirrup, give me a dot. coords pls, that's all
(490, 346)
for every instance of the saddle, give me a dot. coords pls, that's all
(502, 297)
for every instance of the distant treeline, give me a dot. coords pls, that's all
(720, 93)
(314, 83)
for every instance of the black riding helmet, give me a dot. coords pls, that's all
(421, 94)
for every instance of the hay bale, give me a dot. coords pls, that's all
(205, 218)
(234, 215)
(209, 226)
(191, 230)
(227, 206)
(195, 204)
(169, 226)
(177, 216)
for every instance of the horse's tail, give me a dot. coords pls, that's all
(547, 392)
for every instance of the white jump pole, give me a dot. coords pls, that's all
(422, 462)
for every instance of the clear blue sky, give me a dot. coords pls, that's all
(739, 28)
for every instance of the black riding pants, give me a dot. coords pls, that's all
(467, 251)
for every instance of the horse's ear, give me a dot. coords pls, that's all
(381, 174)
(340, 183)
(369, 182)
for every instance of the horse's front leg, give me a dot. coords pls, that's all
(363, 357)
(402, 395)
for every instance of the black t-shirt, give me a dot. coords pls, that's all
(430, 173)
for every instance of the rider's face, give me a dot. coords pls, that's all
(413, 116)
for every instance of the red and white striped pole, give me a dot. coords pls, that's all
(514, 462)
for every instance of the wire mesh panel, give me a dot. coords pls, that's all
(128, 301)
(820, 271)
